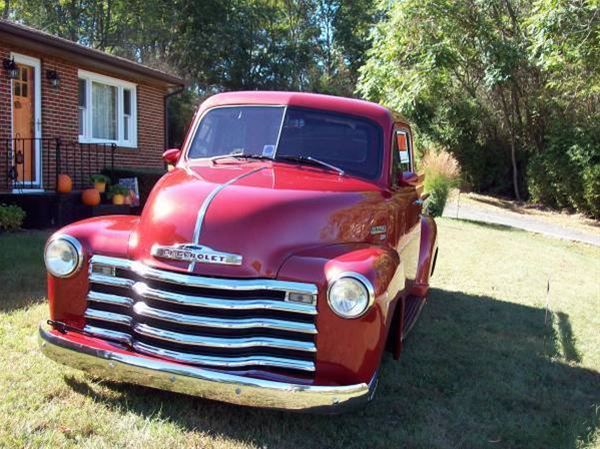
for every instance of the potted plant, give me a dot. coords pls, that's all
(100, 182)
(118, 192)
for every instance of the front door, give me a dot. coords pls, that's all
(407, 196)
(25, 125)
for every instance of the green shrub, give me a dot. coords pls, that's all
(11, 217)
(442, 172)
(438, 188)
(591, 192)
(567, 174)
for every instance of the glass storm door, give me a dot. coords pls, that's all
(26, 157)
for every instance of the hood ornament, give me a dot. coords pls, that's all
(192, 253)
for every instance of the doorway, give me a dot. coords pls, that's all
(26, 124)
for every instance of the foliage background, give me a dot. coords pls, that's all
(510, 87)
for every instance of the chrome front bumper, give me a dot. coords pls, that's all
(205, 383)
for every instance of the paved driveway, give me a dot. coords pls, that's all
(471, 211)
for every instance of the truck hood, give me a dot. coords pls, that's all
(262, 211)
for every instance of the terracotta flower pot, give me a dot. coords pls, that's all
(64, 184)
(100, 186)
(118, 199)
(90, 197)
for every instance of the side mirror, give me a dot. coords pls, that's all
(409, 179)
(171, 156)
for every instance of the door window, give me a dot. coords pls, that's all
(402, 154)
(21, 84)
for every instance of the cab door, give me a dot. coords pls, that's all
(407, 187)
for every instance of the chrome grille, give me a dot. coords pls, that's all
(215, 322)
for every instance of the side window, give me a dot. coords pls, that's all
(401, 153)
(404, 150)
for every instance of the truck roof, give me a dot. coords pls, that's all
(380, 114)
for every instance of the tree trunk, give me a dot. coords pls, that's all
(513, 146)
(513, 158)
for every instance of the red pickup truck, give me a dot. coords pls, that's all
(272, 266)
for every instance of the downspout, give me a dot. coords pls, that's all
(166, 112)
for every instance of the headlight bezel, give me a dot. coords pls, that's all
(361, 279)
(75, 245)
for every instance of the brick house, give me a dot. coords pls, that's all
(66, 108)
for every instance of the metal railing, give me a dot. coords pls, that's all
(36, 163)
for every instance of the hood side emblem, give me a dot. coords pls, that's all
(189, 252)
(381, 229)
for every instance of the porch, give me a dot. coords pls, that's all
(29, 178)
(32, 165)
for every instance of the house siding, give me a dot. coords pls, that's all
(60, 116)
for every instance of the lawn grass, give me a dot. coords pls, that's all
(485, 367)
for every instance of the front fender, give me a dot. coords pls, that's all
(110, 236)
(349, 350)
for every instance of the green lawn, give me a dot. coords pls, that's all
(484, 368)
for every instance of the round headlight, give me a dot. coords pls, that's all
(63, 256)
(350, 295)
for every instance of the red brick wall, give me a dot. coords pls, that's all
(5, 118)
(60, 115)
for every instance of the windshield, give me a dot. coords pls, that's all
(349, 143)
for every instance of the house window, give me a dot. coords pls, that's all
(107, 110)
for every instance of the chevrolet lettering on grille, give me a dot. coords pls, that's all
(195, 253)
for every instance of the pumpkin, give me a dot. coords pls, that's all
(118, 199)
(64, 184)
(90, 197)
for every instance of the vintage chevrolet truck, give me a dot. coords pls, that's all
(272, 266)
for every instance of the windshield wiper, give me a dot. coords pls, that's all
(301, 159)
(310, 160)
(240, 156)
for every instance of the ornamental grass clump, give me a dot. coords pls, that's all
(442, 172)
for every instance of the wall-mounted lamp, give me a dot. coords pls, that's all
(11, 68)
(52, 76)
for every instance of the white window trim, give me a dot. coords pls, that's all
(37, 128)
(89, 77)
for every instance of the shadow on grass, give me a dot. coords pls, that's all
(476, 372)
(567, 340)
